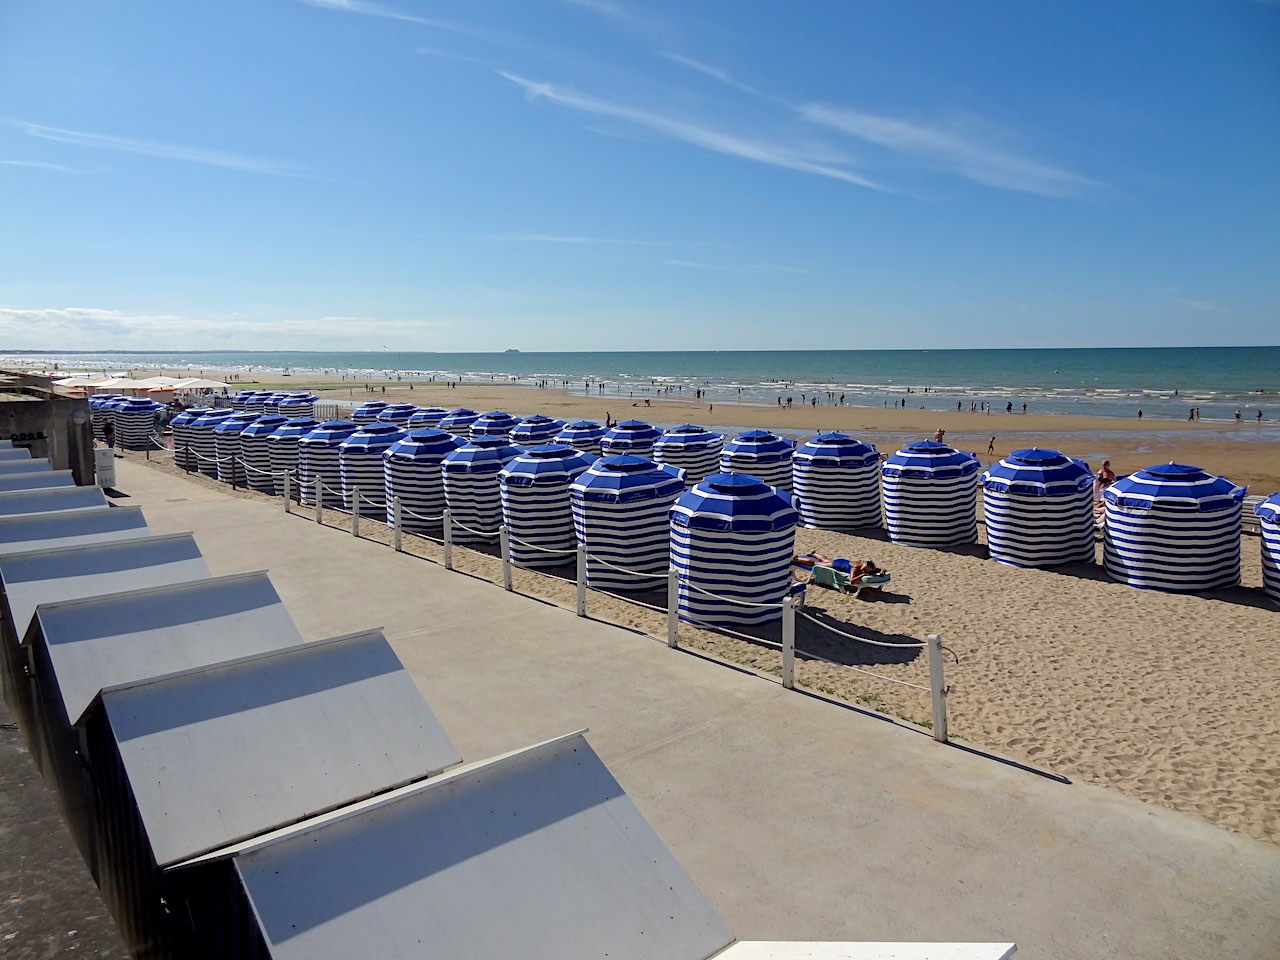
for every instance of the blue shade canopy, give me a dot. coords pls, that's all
(186, 417)
(1038, 473)
(137, 405)
(297, 427)
(458, 417)
(690, 435)
(761, 444)
(373, 436)
(928, 459)
(427, 417)
(237, 422)
(1269, 509)
(625, 478)
(734, 501)
(397, 412)
(493, 423)
(372, 406)
(546, 463)
(207, 421)
(426, 443)
(536, 429)
(837, 449)
(331, 433)
(481, 455)
(635, 432)
(581, 430)
(1174, 486)
(264, 426)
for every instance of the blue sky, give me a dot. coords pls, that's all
(611, 174)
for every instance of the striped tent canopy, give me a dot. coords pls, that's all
(411, 471)
(318, 459)
(760, 454)
(494, 423)
(1173, 527)
(271, 402)
(136, 422)
(535, 430)
(1038, 507)
(732, 539)
(1268, 513)
(630, 437)
(331, 433)
(582, 435)
(282, 449)
(200, 438)
(295, 405)
(427, 417)
(472, 489)
(458, 421)
(931, 495)
(481, 455)
(398, 413)
(368, 411)
(242, 400)
(930, 460)
(535, 503)
(181, 426)
(620, 512)
(257, 455)
(837, 481)
(226, 445)
(360, 465)
(691, 448)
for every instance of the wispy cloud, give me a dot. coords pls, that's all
(688, 132)
(163, 151)
(38, 165)
(968, 149)
(706, 70)
(368, 9)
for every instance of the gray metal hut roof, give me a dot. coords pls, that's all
(45, 531)
(17, 502)
(36, 480)
(221, 753)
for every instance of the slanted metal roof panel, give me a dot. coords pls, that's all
(106, 640)
(35, 480)
(802, 950)
(538, 855)
(18, 502)
(234, 750)
(24, 466)
(14, 453)
(44, 531)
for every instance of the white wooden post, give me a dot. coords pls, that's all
(788, 643)
(673, 607)
(319, 500)
(938, 687)
(582, 579)
(448, 540)
(395, 521)
(355, 511)
(287, 491)
(504, 548)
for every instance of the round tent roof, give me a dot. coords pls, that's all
(459, 417)
(373, 436)
(760, 443)
(837, 449)
(538, 428)
(423, 443)
(1037, 472)
(137, 405)
(236, 422)
(581, 430)
(189, 415)
(1269, 509)
(545, 463)
(494, 422)
(212, 418)
(633, 431)
(690, 435)
(331, 433)
(1174, 486)
(928, 459)
(481, 455)
(297, 427)
(625, 478)
(427, 416)
(264, 426)
(734, 501)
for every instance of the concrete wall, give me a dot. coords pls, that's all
(34, 417)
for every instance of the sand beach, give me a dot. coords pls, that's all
(1173, 699)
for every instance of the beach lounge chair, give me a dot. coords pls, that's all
(872, 582)
(822, 576)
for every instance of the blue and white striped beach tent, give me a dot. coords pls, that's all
(494, 423)
(226, 445)
(762, 455)
(183, 456)
(472, 489)
(732, 539)
(620, 514)
(295, 406)
(201, 440)
(256, 454)
(584, 435)
(397, 413)
(136, 423)
(931, 495)
(271, 402)
(427, 417)
(458, 421)
(634, 437)
(1269, 523)
(240, 400)
(411, 471)
(360, 465)
(367, 412)
(837, 483)
(282, 451)
(535, 503)
(1173, 527)
(1038, 507)
(318, 459)
(535, 430)
(691, 448)
(99, 410)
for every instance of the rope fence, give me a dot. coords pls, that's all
(937, 687)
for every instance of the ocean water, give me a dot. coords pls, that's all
(1163, 382)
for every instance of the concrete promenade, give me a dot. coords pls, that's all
(799, 819)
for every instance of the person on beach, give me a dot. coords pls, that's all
(1008, 407)
(1104, 478)
(1139, 413)
(937, 437)
(991, 446)
(109, 434)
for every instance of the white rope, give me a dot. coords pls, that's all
(478, 533)
(874, 643)
(533, 546)
(405, 511)
(634, 573)
(740, 603)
